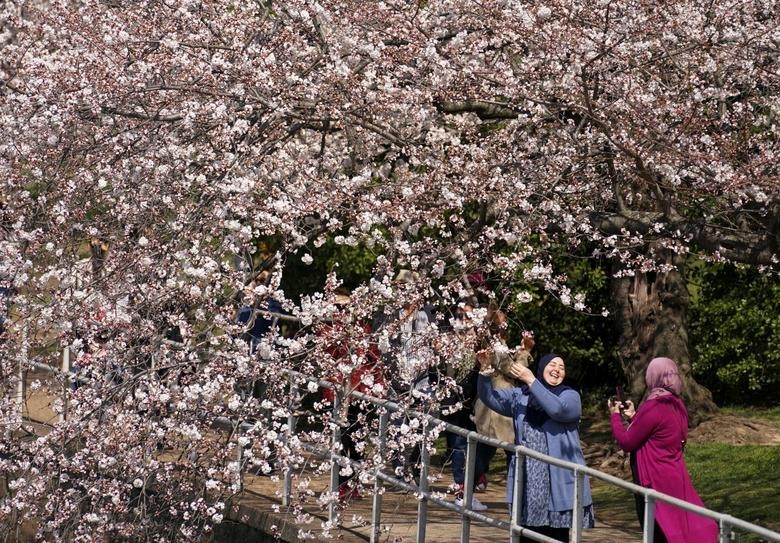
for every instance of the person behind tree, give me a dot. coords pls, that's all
(489, 422)
(546, 414)
(655, 437)
(260, 318)
(408, 360)
(409, 353)
(351, 343)
(457, 406)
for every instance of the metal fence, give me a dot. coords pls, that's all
(431, 426)
(726, 523)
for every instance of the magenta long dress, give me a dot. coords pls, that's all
(656, 435)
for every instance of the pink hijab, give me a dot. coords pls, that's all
(662, 378)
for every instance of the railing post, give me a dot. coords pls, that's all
(287, 492)
(422, 507)
(468, 486)
(22, 363)
(240, 458)
(336, 446)
(723, 531)
(20, 391)
(517, 496)
(376, 508)
(577, 507)
(648, 534)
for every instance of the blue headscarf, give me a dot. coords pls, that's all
(535, 414)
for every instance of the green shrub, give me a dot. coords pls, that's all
(735, 333)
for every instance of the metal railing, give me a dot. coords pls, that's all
(726, 523)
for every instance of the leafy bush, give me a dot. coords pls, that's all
(353, 266)
(735, 333)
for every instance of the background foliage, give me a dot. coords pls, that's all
(735, 333)
(734, 322)
(353, 266)
(587, 339)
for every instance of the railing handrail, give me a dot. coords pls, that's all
(650, 495)
(576, 468)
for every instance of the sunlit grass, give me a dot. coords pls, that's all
(769, 414)
(739, 480)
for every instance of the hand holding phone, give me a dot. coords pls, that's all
(619, 404)
(620, 397)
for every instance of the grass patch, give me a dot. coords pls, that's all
(740, 480)
(769, 414)
(612, 504)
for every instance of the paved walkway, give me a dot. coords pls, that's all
(259, 507)
(399, 516)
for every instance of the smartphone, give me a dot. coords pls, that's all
(620, 397)
(619, 393)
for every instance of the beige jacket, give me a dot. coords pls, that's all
(489, 422)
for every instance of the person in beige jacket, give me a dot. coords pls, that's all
(487, 421)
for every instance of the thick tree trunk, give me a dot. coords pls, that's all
(652, 309)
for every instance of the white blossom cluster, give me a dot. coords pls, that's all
(156, 157)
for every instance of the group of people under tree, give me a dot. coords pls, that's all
(491, 388)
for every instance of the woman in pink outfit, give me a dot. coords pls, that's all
(655, 437)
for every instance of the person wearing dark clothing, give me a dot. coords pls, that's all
(260, 321)
(457, 406)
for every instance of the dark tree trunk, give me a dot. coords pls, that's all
(652, 311)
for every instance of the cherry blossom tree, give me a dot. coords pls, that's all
(149, 147)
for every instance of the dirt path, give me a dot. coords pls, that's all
(399, 516)
(736, 430)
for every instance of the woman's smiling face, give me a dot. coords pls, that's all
(554, 372)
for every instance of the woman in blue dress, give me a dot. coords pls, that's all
(546, 414)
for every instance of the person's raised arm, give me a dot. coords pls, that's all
(566, 407)
(501, 400)
(636, 434)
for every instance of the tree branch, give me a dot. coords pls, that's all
(485, 110)
(757, 248)
(108, 110)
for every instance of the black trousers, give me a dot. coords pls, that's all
(348, 443)
(561, 534)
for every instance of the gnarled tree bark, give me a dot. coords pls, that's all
(653, 311)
